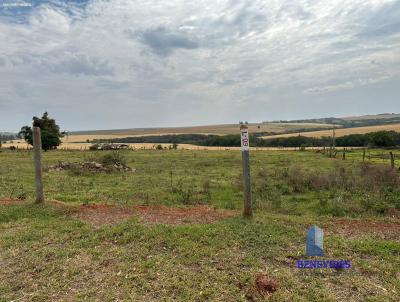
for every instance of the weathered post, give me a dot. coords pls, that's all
(364, 155)
(392, 159)
(344, 154)
(333, 138)
(244, 142)
(37, 158)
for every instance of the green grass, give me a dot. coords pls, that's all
(171, 177)
(46, 255)
(377, 156)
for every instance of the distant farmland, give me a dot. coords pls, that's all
(340, 132)
(83, 136)
(80, 139)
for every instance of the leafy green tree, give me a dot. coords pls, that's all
(383, 138)
(50, 132)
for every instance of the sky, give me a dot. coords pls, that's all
(155, 63)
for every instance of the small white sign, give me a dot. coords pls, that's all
(244, 139)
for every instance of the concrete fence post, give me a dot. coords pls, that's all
(37, 158)
(245, 148)
(392, 159)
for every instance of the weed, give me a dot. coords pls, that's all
(185, 193)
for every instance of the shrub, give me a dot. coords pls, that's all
(297, 179)
(185, 193)
(379, 175)
(206, 189)
(110, 159)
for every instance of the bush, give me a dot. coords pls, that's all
(110, 159)
(185, 193)
(297, 179)
(113, 158)
(379, 176)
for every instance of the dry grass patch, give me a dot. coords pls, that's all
(351, 228)
(98, 215)
(11, 201)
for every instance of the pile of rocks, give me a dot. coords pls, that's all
(88, 166)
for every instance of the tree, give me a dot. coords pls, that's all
(50, 132)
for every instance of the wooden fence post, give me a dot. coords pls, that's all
(344, 153)
(244, 141)
(37, 158)
(392, 159)
(364, 155)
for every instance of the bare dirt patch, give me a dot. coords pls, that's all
(11, 201)
(358, 227)
(264, 284)
(99, 215)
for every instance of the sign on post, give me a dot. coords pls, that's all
(245, 147)
(244, 138)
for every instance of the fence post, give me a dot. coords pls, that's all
(364, 155)
(37, 158)
(344, 153)
(244, 142)
(392, 159)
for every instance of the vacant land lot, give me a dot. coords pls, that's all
(342, 132)
(171, 228)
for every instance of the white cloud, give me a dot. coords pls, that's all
(242, 57)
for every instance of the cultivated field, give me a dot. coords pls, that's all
(209, 129)
(382, 116)
(340, 132)
(79, 140)
(125, 235)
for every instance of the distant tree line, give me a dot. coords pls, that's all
(159, 139)
(7, 137)
(378, 139)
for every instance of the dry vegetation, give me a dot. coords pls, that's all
(209, 129)
(341, 132)
(373, 116)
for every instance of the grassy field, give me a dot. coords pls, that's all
(341, 132)
(53, 252)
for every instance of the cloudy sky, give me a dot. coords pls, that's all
(126, 63)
